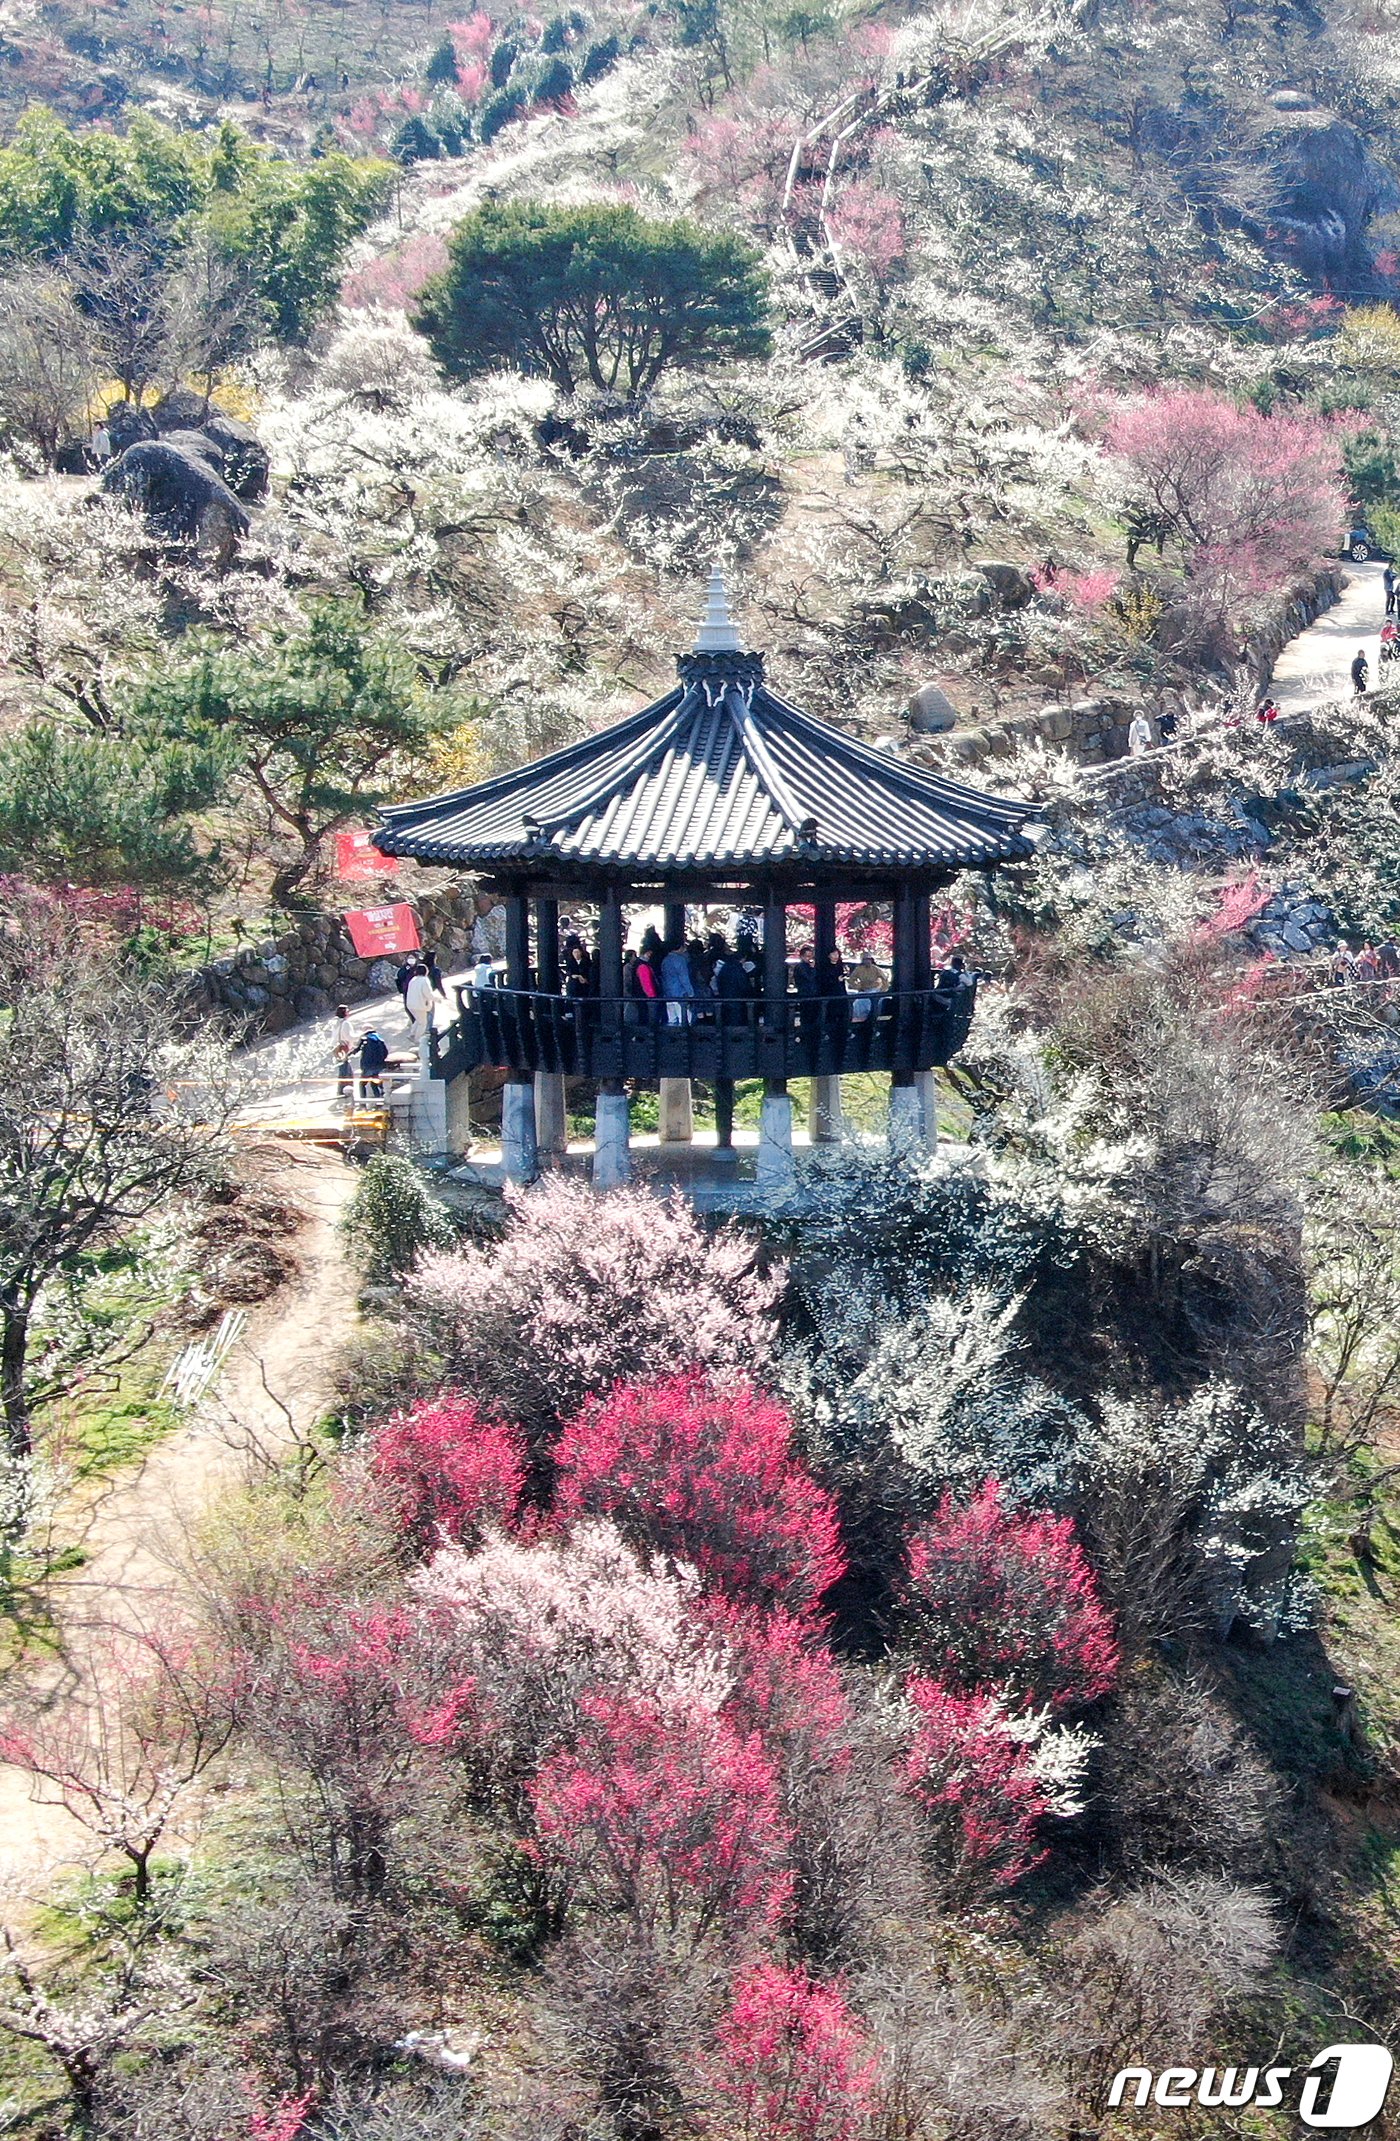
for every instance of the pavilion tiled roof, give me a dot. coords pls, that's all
(719, 773)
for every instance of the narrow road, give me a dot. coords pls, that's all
(1316, 666)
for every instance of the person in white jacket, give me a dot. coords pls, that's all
(418, 1002)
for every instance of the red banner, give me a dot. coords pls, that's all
(377, 931)
(354, 857)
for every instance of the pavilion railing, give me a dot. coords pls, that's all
(803, 1037)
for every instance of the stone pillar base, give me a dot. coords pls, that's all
(612, 1160)
(677, 1113)
(519, 1148)
(551, 1121)
(459, 1114)
(777, 1170)
(926, 1086)
(906, 1121)
(427, 1106)
(824, 1111)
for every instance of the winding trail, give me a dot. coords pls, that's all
(136, 1531)
(1315, 667)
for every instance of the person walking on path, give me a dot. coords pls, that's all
(1139, 735)
(344, 1050)
(1360, 670)
(373, 1053)
(1389, 582)
(418, 1003)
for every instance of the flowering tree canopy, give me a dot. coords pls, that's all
(447, 1472)
(796, 2067)
(705, 1471)
(1003, 1602)
(649, 1291)
(671, 1817)
(1253, 495)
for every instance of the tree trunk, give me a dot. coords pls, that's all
(289, 879)
(14, 1347)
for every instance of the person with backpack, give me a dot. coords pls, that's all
(373, 1053)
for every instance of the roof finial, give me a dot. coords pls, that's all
(719, 633)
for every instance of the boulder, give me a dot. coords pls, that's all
(246, 464)
(128, 426)
(313, 1003)
(232, 448)
(199, 448)
(931, 711)
(1011, 584)
(182, 409)
(181, 497)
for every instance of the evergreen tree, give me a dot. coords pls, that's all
(442, 67)
(321, 715)
(109, 809)
(591, 294)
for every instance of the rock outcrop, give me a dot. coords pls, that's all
(183, 498)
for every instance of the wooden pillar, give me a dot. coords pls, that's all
(611, 1155)
(517, 941)
(824, 1106)
(905, 935)
(774, 958)
(921, 919)
(724, 1116)
(547, 945)
(610, 947)
(677, 1110)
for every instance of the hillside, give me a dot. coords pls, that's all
(914, 1659)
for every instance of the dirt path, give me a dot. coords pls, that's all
(135, 1532)
(1316, 666)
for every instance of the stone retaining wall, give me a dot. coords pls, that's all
(313, 966)
(1095, 730)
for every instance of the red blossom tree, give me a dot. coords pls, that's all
(786, 1683)
(330, 1696)
(448, 1474)
(795, 2064)
(996, 1602)
(1252, 498)
(705, 1472)
(975, 1784)
(867, 226)
(667, 1815)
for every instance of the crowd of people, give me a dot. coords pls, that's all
(683, 979)
(1373, 962)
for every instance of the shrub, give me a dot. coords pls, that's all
(1006, 1604)
(976, 1785)
(585, 1291)
(668, 1816)
(448, 1473)
(705, 1472)
(795, 2064)
(392, 1218)
(599, 58)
